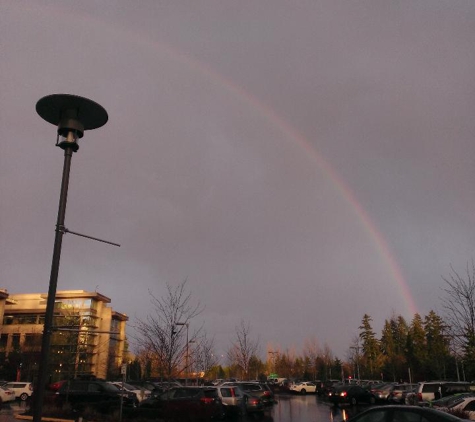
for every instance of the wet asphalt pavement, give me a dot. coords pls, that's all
(289, 408)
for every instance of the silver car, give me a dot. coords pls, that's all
(233, 398)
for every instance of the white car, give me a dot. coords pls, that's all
(466, 405)
(6, 394)
(304, 387)
(23, 390)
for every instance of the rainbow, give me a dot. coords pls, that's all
(276, 121)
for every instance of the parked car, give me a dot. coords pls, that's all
(260, 390)
(201, 403)
(327, 386)
(466, 405)
(393, 413)
(149, 385)
(382, 391)
(6, 394)
(397, 394)
(254, 406)
(433, 390)
(409, 397)
(55, 386)
(351, 394)
(23, 390)
(369, 383)
(98, 394)
(450, 401)
(233, 399)
(304, 387)
(140, 393)
(256, 389)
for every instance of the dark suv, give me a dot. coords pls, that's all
(94, 393)
(182, 403)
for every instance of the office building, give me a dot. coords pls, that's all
(88, 335)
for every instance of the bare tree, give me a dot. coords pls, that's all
(311, 353)
(163, 335)
(460, 311)
(204, 357)
(244, 348)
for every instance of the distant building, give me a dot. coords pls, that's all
(88, 335)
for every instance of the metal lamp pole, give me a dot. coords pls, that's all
(73, 115)
(357, 348)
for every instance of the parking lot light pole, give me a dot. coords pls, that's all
(72, 115)
(357, 349)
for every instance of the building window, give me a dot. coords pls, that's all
(15, 341)
(20, 319)
(3, 341)
(33, 340)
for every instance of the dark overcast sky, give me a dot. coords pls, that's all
(301, 163)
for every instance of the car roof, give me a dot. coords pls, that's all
(430, 414)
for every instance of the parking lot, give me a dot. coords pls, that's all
(289, 408)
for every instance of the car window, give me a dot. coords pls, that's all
(181, 393)
(108, 387)
(93, 388)
(470, 407)
(430, 388)
(226, 392)
(126, 386)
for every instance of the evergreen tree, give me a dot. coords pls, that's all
(438, 344)
(393, 345)
(416, 349)
(370, 348)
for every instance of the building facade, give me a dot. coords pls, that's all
(88, 337)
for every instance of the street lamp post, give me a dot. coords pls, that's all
(357, 349)
(72, 115)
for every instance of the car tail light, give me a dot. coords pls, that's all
(343, 394)
(30, 387)
(207, 400)
(253, 400)
(266, 393)
(419, 396)
(233, 394)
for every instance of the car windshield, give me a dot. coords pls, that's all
(110, 388)
(454, 401)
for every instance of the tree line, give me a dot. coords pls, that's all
(427, 347)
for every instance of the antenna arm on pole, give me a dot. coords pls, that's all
(65, 230)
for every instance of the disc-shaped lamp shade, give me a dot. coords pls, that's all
(71, 113)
